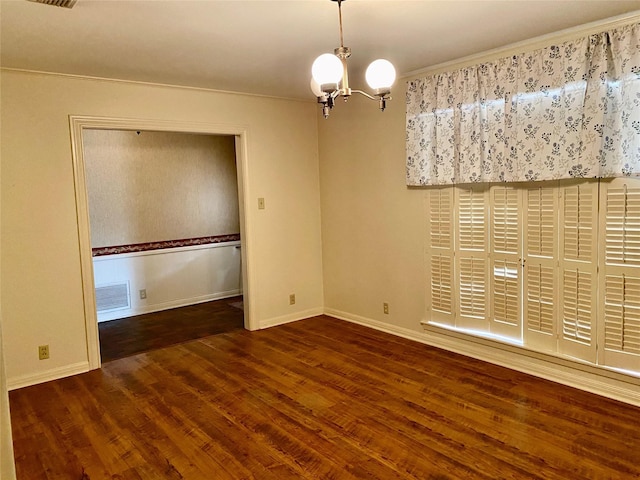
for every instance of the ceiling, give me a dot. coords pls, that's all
(268, 46)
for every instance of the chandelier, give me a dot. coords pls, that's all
(330, 78)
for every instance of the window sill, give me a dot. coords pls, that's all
(514, 347)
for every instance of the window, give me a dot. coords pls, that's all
(552, 266)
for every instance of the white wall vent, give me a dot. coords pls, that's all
(114, 296)
(57, 3)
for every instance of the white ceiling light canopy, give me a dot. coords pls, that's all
(330, 77)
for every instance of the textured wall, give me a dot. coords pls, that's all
(171, 278)
(159, 186)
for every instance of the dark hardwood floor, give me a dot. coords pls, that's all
(317, 399)
(142, 333)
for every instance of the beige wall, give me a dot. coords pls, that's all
(154, 186)
(42, 298)
(7, 467)
(372, 232)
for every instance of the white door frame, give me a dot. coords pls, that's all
(78, 124)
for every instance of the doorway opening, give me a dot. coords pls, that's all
(161, 230)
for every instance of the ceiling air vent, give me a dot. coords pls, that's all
(57, 3)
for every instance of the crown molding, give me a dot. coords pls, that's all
(527, 45)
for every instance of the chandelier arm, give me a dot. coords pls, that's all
(370, 97)
(381, 98)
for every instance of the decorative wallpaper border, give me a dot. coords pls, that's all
(143, 247)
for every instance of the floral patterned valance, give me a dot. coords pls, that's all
(565, 111)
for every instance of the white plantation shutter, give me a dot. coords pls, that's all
(541, 259)
(472, 218)
(472, 256)
(580, 208)
(577, 305)
(505, 262)
(439, 255)
(441, 285)
(505, 299)
(622, 224)
(578, 269)
(620, 275)
(622, 316)
(555, 265)
(540, 305)
(473, 287)
(440, 215)
(505, 213)
(541, 220)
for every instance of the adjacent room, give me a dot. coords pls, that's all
(165, 235)
(331, 239)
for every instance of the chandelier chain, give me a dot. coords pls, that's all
(340, 16)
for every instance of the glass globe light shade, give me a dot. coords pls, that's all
(380, 74)
(315, 88)
(327, 69)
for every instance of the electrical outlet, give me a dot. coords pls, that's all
(292, 299)
(143, 294)
(385, 308)
(43, 352)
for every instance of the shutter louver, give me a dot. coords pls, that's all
(576, 313)
(622, 314)
(441, 283)
(473, 287)
(578, 222)
(623, 226)
(441, 207)
(540, 296)
(506, 235)
(472, 218)
(506, 294)
(541, 222)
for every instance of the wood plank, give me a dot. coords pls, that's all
(151, 331)
(318, 398)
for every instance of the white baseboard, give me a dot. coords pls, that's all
(158, 307)
(47, 375)
(292, 317)
(557, 370)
